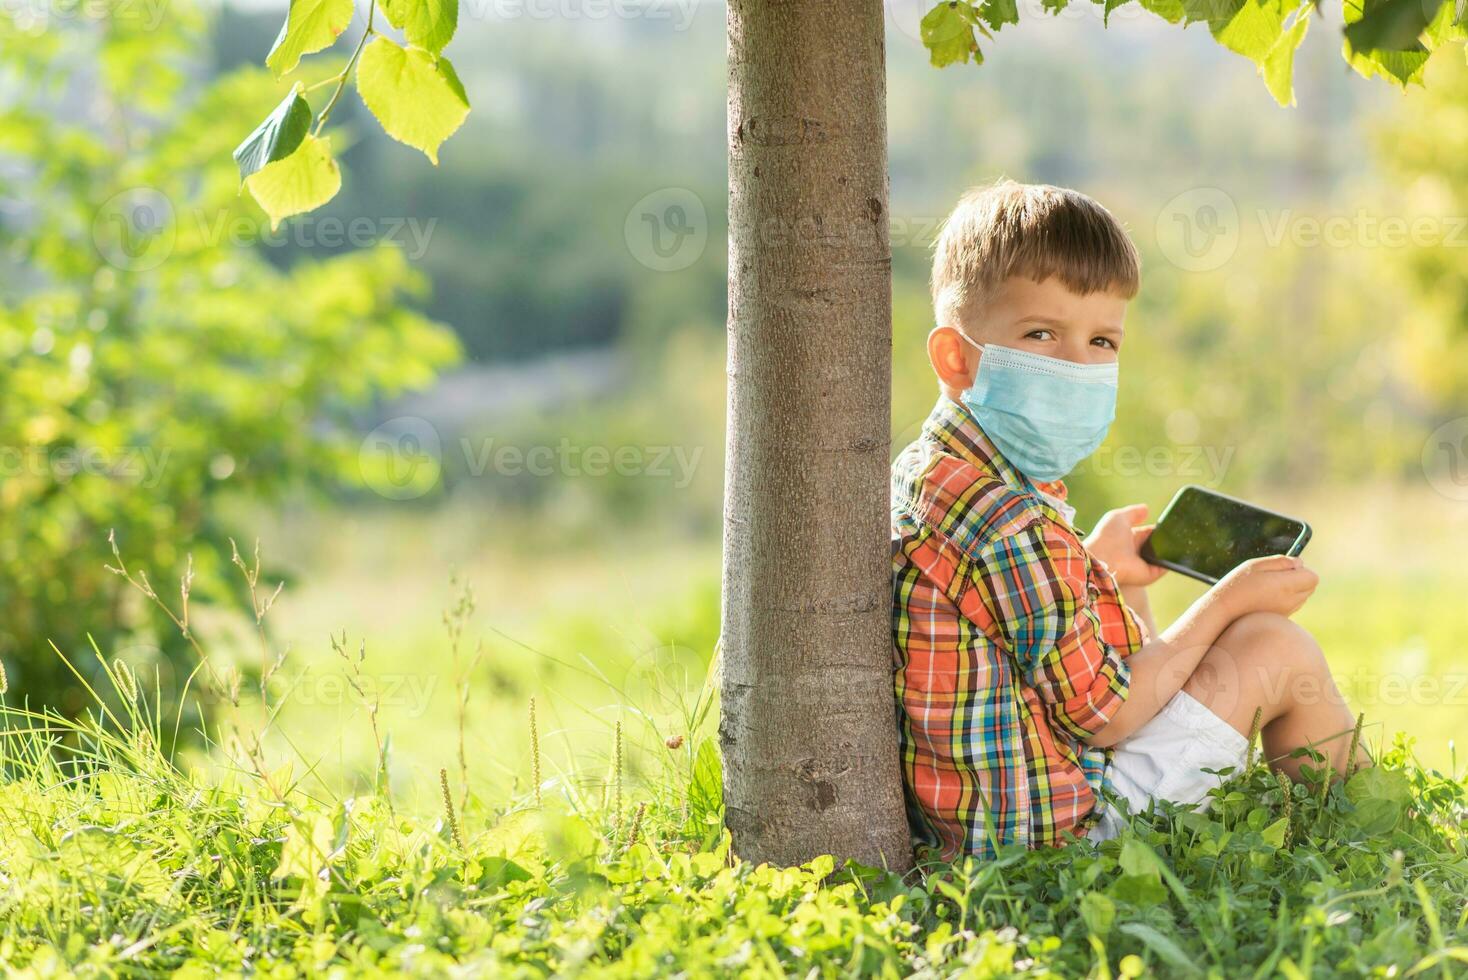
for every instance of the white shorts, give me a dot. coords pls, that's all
(1165, 759)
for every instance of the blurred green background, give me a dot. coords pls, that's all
(509, 368)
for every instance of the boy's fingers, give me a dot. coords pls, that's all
(1303, 580)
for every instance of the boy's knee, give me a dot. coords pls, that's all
(1262, 659)
(1281, 660)
(1271, 637)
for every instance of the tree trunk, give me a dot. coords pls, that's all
(808, 716)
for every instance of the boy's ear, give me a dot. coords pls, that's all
(948, 352)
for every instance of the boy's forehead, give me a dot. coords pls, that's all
(1050, 299)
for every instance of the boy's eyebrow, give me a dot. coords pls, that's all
(1048, 321)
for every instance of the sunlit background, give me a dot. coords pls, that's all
(506, 373)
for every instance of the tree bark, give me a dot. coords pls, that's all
(808, 724)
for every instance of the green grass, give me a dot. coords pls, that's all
(119, 862)
(312, 834)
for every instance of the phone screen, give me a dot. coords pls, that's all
(1210, 534)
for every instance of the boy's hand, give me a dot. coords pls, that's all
(1117, 541)
(1277, 584)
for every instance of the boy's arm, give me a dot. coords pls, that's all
(1163, 665)
(1161, 668)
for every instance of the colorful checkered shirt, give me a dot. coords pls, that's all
(1010, 646)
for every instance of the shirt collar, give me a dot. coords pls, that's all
(954, 427)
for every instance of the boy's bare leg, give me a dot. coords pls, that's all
(1265, 660)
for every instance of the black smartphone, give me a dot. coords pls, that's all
(1206, 535)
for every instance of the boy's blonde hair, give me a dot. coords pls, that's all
(1032, 230)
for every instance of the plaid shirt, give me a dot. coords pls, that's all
(1010, 643)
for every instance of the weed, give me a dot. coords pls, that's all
(123, 860)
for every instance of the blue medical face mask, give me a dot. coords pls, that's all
(1043, 413)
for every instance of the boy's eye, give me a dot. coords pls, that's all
(1104, 342)
(1039, 335)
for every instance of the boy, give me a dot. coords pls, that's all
(1029, 675)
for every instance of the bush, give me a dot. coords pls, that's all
(155, 362)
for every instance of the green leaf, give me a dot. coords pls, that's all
(1274, 834)
(1141, 862)
(997, 13)
(303, 181)
(1139, 859)
(1403, 67)
(1169, 10)
(1450, 25)
(1376, 22)
(1168, 951)
(1098, 912)
(1210, 12)
(568, 837)
(497, 872)
(1139, 890)
(1253, 28)
(1376, 782)
(306, 849)
(1252, 31)
(1388, 25)
(706, 786)
(417, 98)
(1278, 67)
(1109, 6)
(309, 26)
(1379, 798)
(429, 24)
(277, 137)
(950, 891)
(948, 33)
(1375, 817)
